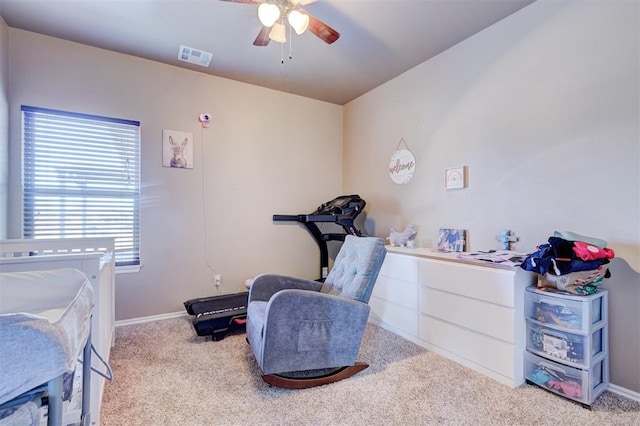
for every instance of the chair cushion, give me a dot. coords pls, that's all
(356, 268)
(258, 309)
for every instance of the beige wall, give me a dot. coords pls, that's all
(4, 126)
(543, 110)
(266, 152)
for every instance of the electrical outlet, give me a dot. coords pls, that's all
(217, 279)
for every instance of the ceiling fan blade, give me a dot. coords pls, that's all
(302, 2)
(263, 37)
(320, 29)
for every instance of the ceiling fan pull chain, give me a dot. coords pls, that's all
(290, 43)
(282, 53)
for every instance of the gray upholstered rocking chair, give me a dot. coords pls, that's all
(296, 325)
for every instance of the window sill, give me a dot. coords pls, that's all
(131, 269)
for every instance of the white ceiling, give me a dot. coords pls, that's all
(379, 39)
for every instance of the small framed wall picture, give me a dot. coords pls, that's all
(177, 149)
(455, 177)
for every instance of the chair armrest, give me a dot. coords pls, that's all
(305, 330)
(297, 303)
(289, 309)
(266, 285)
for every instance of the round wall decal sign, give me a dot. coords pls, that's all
(402, 166)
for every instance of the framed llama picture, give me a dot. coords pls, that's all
(452, 239)
(177, 149)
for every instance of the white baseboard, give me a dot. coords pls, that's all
(150, 318)
(625, 392)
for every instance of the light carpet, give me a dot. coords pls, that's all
(164, 374)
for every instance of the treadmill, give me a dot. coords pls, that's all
(341, 211)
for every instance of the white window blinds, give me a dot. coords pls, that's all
(81, 178)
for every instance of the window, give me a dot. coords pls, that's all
(81, 178)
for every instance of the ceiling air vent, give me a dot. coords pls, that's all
(195, 56)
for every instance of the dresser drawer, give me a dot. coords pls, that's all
(482, 350)
(577, 314)
(399, 267)
(397, 316)
(577, 350)
(486, 318)
(488, 284)
(577, 384)
(401, 292)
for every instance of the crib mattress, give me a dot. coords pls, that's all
(45, 319)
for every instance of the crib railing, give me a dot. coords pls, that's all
(37, 247)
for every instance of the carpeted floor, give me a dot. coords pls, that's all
(166, 375)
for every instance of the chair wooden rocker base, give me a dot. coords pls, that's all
(309, 382)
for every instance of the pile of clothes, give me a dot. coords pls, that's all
(571, 262)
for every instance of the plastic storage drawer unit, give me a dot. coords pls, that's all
(565, 312)
(582, 386)
(576, 350)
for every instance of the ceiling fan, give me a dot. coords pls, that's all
(274, 14)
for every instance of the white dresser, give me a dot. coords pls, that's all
(472, 312)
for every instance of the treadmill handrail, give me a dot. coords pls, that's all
(341, 210)
(288, 217)
(310, 217)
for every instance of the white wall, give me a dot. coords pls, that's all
(266, 152)
(4, 126)
(543, 109)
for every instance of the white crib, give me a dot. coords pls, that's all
(95, 258)
(45, 323)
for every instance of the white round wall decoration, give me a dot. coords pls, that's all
(402, 166)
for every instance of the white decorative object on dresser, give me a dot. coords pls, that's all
(95, 258)
(469, 311)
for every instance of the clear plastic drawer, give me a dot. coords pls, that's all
(579, 314)
(576, 350)
(582, 386)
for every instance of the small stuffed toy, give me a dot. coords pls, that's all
(404, 238)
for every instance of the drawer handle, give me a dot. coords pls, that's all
(552, 369)
(554, 334)
(553, 302)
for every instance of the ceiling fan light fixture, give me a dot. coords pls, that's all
(298, 21)
(278, 33)
(268, 14)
